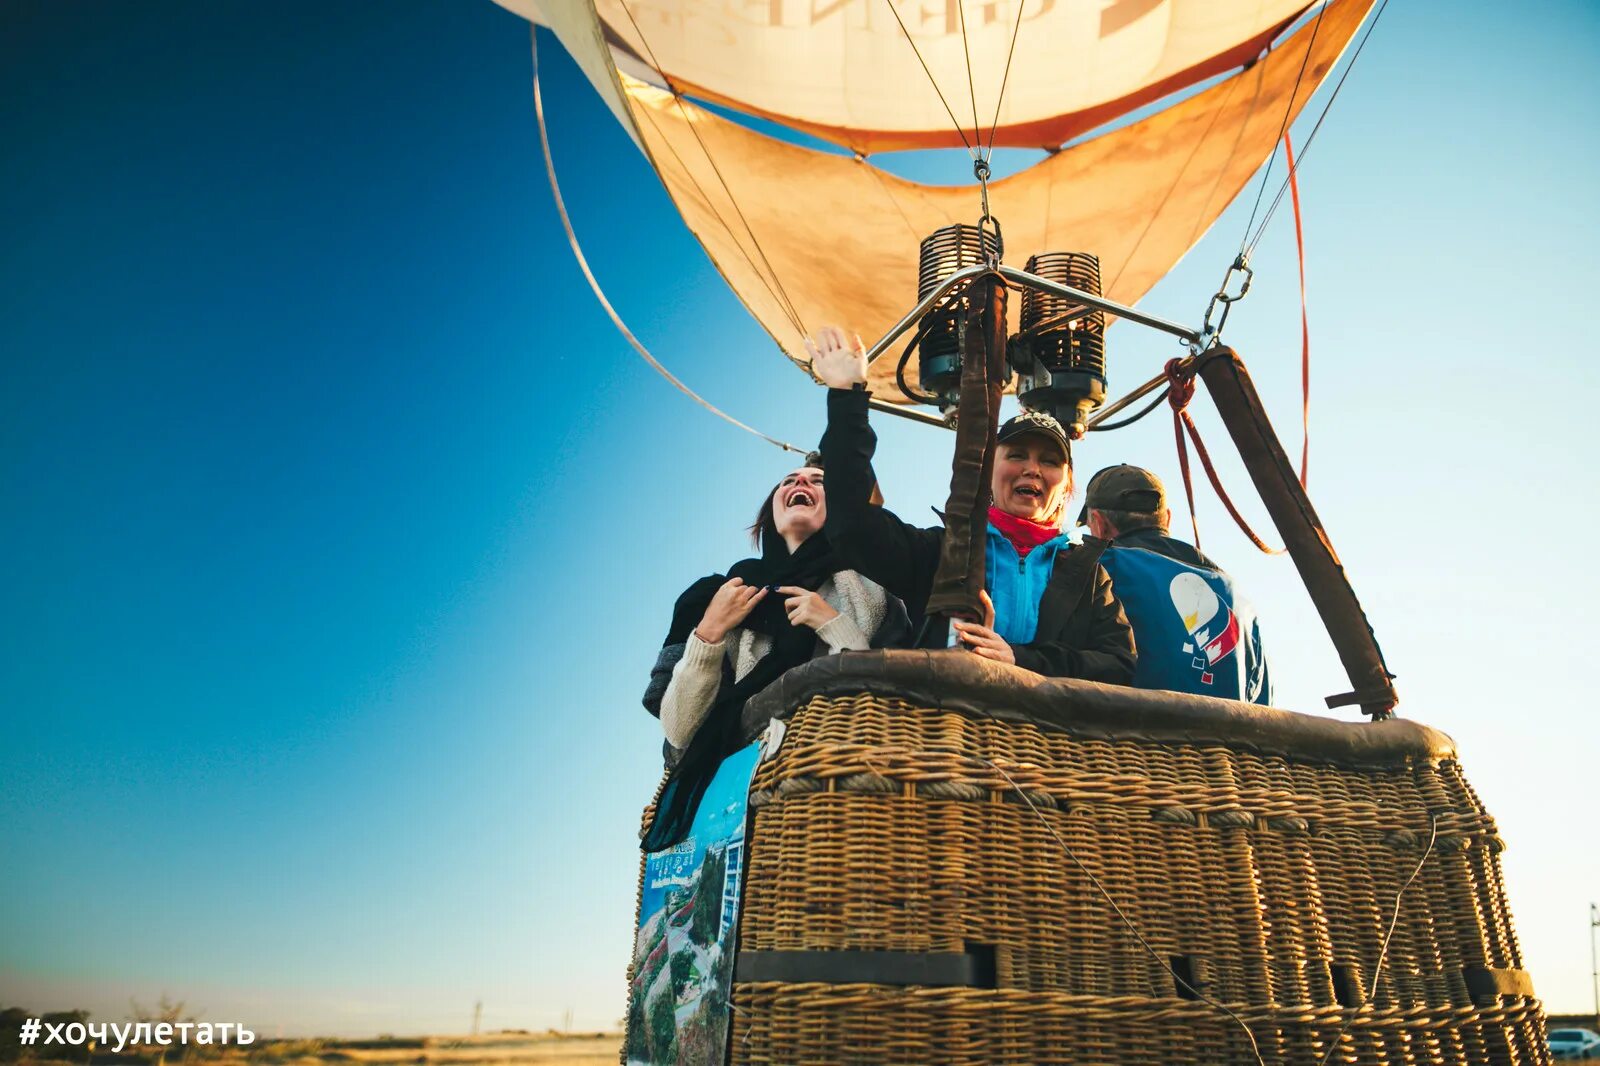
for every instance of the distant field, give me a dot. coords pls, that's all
(497, 1049)
(502, 1049)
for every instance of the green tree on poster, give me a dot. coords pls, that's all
(706, 921)
(663, 1029)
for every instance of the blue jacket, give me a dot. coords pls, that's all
(1194, 632)
(1083, 632)
(1017, 583)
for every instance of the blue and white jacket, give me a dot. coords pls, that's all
(1194, 632)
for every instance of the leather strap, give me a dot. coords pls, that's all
(960, 574)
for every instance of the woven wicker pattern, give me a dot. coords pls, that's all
(882, 826)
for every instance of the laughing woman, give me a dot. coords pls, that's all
(1052, 608)
(733, 635)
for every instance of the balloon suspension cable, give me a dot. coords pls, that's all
(1288, 110)
(1312, 136)
(594, 285)
(960, 132)
(1383, 950)
(782, 294)
(1005, 77)
(1247, 245)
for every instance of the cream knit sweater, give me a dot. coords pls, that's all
(698, 676)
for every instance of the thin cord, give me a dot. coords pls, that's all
(1095, 881)
(1433, 835)
(583, 264)
(966, 50)
(1134, 929)
(677, 97)
(1287, 111)
(1005, 78)
(1204, 212)
(721, 220)
(1233, 85)
(1304, 148)
(1105, 427)
(893, 200)
(955, 121)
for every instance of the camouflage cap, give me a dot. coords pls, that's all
(1124, 488)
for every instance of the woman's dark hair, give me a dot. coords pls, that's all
(765, 525)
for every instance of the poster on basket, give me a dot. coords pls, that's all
(683, 951)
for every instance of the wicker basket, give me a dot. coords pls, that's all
(917, 818)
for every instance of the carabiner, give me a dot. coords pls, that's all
(1209, 333)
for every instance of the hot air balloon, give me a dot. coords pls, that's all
(944, 860)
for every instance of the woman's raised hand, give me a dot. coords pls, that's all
(837, 362)
(731, 605)
(806, 608)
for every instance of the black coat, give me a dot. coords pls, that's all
(1082, 631)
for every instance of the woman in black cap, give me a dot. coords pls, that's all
(734, 634)
(1050, 606)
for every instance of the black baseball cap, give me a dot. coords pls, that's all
(1036, 422)
(1123, 488)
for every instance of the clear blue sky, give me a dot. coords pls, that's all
(339, 528)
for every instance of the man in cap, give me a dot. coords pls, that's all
(1194, 632)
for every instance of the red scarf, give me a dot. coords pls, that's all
(1024, 533)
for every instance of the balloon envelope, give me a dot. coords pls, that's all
(807, 237)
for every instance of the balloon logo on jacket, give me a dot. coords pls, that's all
(1210, 623)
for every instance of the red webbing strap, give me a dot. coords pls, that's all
(1305, 323)
(1181, 391)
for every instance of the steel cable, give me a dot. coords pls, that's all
(1288, 110)
(677, 97)
(594, 285)
(1306, 147)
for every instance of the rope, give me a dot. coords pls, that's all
(1180, 391)
(1227, 98)
(1377, 972)
(947, 110)
(1305, 322)
(1318, 124)
(677, 98)
(1283, 127)
(721, 221)
(583, 264)
(1005, 78)
(1203, 213)
(972, 93)
(1132, 928)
